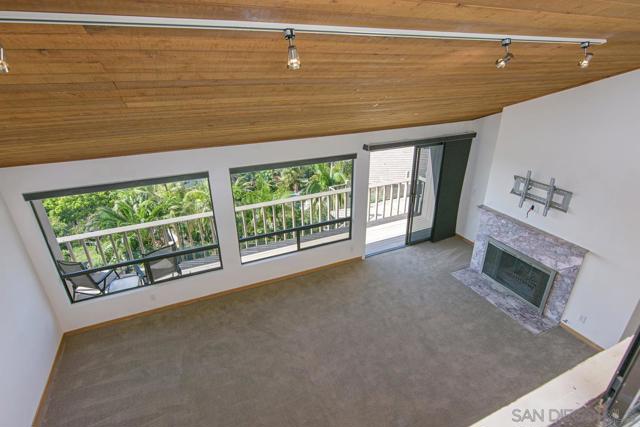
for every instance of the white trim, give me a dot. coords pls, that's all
(217, 24)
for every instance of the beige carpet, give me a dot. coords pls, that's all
(391, 341)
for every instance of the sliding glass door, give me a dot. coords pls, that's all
(427, 163)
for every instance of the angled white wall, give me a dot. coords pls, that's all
(28, 327)
(587, 138)
(476, 178)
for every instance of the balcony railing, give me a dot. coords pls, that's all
(257, 223)
(271, 220)
(114, 245)
(137, 255)
(390, 202)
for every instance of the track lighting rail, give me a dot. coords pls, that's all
(48, 18)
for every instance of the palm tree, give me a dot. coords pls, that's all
(290, 179)
(325, 176)
(151, 203)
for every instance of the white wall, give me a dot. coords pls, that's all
(476, 178)
(587, 138)
(16, 181)
(28, 327)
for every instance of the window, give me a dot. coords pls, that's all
(285, 208)
(112, 238)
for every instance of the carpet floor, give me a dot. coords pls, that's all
(394, 340)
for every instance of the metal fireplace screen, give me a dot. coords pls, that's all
(520, 274)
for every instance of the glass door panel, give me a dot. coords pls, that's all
(424, 187)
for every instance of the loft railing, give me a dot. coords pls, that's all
(260, 222)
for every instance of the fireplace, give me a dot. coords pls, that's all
(524, 271)
(525, 277)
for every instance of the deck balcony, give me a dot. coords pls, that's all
(264, 230)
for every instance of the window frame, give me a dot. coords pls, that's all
(39, 196)
(297, 230)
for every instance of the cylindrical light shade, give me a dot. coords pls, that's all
(294, 60)
(502, 62)
(4, 66)
(584, 62)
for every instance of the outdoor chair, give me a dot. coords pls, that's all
(89, 283)
(161, 269)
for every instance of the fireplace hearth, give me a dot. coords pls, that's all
(524, 271)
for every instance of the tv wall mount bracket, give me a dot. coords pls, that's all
(555, 198)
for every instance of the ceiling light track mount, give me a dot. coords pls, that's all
(507, 57)
(47, 18)
(588, 56)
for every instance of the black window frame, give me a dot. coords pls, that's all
(298, 229)
(38, 196)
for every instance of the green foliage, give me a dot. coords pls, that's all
(102, 210)
(326, 175)
(68, 214)
(274, 184)
(151, 203)
(256, 187)
(279, 184)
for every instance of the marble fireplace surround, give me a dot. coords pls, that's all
(554, 252)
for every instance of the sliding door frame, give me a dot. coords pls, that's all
(418, 145)
(414, 185)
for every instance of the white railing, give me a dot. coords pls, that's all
(296, 211)
(388, 200)
(129, 242)
(391, 201)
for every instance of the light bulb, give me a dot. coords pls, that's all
(4, 65)
(508, 56)
(294, 60)
(502, 62)
(584, 62)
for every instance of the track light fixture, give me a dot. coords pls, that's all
(293, 63)
(4, 66)
(588, 56)
(508, 56)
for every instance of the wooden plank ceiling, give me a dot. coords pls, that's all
(87, 92)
